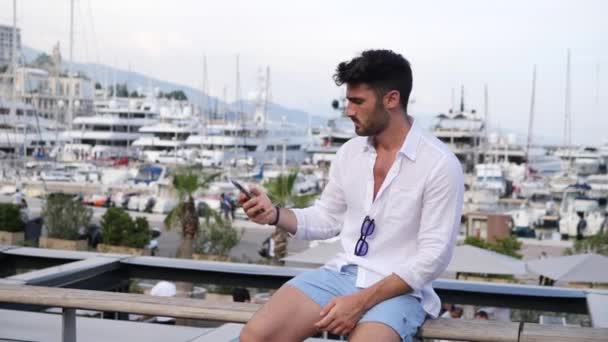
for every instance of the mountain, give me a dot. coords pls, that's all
(134, 80)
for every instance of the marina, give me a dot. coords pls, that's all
(119, 207)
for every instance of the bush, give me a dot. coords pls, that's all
(10, 218)
(597, 243)
(119, 229)
(217, 237)
(64, 217)
(140, 236)
(509, 246)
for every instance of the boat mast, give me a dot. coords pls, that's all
(531, 120)
(13, 108)
(70, 83)
(486, 121)
(240, 104)
(567, 114)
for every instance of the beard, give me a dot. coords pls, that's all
(374, 124)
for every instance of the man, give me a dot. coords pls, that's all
(394, 196)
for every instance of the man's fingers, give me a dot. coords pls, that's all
(334, 326)
(327, 308)
(250, 203)
(256, 210)
(324, 322)
(255, 190)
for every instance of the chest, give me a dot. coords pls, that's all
(382, 166)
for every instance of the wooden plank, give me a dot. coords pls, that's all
(490, 331)
(470, 330)
(532, 332)
(124, 302)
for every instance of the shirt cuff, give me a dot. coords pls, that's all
(411, 277)
(300, 226)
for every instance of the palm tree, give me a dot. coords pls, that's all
(280, 191)
(186, 181)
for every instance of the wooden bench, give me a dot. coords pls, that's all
(187, 308)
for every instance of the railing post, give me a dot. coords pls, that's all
(68, 325)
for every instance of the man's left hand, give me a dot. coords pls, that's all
(341, 315)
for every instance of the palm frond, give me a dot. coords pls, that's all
(174, 217)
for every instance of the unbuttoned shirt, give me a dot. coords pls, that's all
(417, 212)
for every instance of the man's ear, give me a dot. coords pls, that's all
(391, 99)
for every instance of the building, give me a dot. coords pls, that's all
(6, 44)
(50, 94)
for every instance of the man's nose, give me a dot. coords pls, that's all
(350, 110)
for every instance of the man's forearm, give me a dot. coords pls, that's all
(287, 221)
(389, 287)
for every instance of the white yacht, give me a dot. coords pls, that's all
(164, 141)
(23, 129)
(338, 131)
(584, 160)
(112, 128)
(462, 131)
(257, 142)
(575, 206)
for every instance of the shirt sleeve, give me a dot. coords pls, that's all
(439, 225)
(324, 218)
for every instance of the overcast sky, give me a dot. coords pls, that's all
(449, 43)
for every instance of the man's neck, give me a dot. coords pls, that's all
(392, 138)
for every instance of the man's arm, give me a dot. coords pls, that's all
(439, 225)
(322, 220)
(261, 210)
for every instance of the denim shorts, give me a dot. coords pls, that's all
(404, 313)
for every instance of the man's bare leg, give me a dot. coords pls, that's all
(288, 316)
(372, 331)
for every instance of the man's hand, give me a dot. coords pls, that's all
(341, 315)
(259, 208)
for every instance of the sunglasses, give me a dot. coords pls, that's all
(367, 229)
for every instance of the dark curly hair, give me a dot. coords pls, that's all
(381, 70)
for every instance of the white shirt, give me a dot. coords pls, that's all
(417, 212)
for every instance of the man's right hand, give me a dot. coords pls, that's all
(259, 208)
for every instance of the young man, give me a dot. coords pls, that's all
(395, 198)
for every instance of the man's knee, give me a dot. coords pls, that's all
(253, 333)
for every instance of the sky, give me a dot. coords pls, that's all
(470, 43)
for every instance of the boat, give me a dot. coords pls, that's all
(330, 138)
(164, 141)
(462, 131)
(576, 205)
(111, 129)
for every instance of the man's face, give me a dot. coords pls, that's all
(366, 110)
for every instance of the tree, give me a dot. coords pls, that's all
(509, 246)
(186, 181)
(64, 216)
(280, 191)
(597, 243)
(178, 95)
(10, 218)
(43, 61)
(119, 229)
(218, 236)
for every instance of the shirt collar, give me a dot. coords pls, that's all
(410, 145)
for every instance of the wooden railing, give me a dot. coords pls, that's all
(70, 300)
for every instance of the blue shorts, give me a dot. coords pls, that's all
(404, 313)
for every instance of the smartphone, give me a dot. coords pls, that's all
(242, 189)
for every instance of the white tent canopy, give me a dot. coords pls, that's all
(470, 259)
(586, 268)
